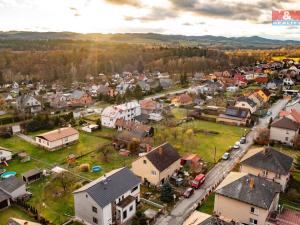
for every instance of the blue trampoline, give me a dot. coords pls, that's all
(96, 169)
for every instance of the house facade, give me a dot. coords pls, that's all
(28, 104)
(245, 102)
(111, 199)
(269, 164)
(284, 130)
(126, 111)
(80, 98)
(158, 165)
(246, 199)
(57, 139)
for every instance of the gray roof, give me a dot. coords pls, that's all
(3, 196)
(214, 220)
(248, 100)
(31, 173)
(237, 112)
(22, 101)
(163, 156)
(271, 160)
(77, 94)
(11, 184)
(261, 195)
(286, 123)
(115, 185)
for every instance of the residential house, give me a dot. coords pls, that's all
(150, 106)
(126, 111)
(5, 155)
(257, 99)
(28, 104)
(246, 199)
(268, 163)
(110, 199)
(144, 85)
(199, 77)
(284, 130)
(16, 221)
(293, 115)
(32, 175)
(245, 102)
(212, 87)
(57, 139)
(235, 116)
(122, 124)
(58, 101)
(158, 165)
(200, 218)
(274, 84)
(11, 188)
(166, 83)
(264, 94)
(181, 100)
(80, 98)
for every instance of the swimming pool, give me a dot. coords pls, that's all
(8, 174)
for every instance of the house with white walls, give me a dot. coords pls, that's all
(126, 111)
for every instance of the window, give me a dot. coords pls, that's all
(252, 209)
(145, 161)
(153, 172)
(95, 220)
(94, 209)
(286, 138)
(265, 173)
(86, 196)
(131, 208)
(134, 189)
(124, 214)
(253, 221)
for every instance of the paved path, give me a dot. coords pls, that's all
(186, 206)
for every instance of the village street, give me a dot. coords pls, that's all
(186, 206)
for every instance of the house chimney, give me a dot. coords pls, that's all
(160, 150)
(252, 183)
(25, 223)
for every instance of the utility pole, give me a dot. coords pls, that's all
(215, 154)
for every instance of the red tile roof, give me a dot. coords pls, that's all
(59, 134)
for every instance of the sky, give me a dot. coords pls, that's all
(187, 17)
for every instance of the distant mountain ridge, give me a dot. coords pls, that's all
(153, 38)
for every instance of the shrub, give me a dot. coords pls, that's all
(84, 167)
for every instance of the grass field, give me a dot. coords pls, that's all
(13, 212)
(202, 144)
(51, 203)
(208, 205)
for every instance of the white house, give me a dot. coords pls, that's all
(126, 111)
(110, 199)
(28, 104)
(90, 128)
(5, 155)
(56, 139)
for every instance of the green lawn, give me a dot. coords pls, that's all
(187, 140)
(208, 205)
(13, 212)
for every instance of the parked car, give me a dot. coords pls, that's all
(188, 192)
(243, 140)
(198, 181)
(236, 145)
(226, 156)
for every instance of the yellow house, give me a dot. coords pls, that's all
(264, 94)
(268, 163)
(158, 165)
(246, 199)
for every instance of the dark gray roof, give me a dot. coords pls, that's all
(106, 192)
(143, 118)
(11, 184)
(163, 156)
(271, 160)
(31, 173)
(3, 196)
(213, 220)
(286, 123)
(237, 112)
(261, 195)
(248, 100)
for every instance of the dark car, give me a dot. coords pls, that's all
(188, 192)
(243, 140)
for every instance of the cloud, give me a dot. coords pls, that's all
(156, 14)
(193, 24)
(227, 10)
(135, 3)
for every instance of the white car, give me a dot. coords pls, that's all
(226, 156)
(237, 145)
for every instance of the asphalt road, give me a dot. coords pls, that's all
(186, 206)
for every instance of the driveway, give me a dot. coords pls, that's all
(216, 175)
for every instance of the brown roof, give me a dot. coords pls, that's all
(184, 98)
(163, 156)
(58, 134)
(148, 104)
(286, 123)
(131, 125)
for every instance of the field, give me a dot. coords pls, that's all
(187, 140)
(13, 212)
(48, 197)
(280, 58)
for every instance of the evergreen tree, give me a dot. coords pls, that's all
(2, 81)
(166, 192)
(140, 66)
(139, 219)
(137, 92)
(183, 80)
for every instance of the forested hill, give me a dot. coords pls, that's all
(150, 38)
